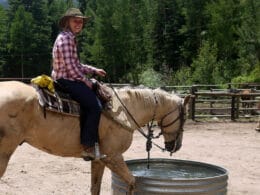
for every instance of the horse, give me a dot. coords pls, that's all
(246, 100)
(22, 119)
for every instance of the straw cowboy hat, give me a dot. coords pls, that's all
(72, 12)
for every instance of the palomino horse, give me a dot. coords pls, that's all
(247, 100)
(22, 120)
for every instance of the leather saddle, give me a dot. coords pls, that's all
(59, 101)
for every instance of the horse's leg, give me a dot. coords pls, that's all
(119, 167)
(8, 144)
(97, 170)
(4, 159)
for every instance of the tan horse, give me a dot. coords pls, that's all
(22, 120)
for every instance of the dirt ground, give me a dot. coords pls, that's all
(232, 145)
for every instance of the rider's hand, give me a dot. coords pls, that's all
(100, 72)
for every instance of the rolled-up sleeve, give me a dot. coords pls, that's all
(87, 69)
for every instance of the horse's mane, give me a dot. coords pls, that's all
(147, 94)
(136, 98)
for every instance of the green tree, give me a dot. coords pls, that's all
(205, 68)
(3, 38)
(103, 49)
(249, 36)
(194, 28)
(55, 10)
(82, 5)
(224, 20)
(107, 40)
(21, 45)
(167, 37)
(14, 5)
(41, 37)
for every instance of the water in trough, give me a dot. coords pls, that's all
(168, 176)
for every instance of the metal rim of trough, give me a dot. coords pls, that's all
(151, 185)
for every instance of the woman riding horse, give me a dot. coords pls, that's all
(71, 75)
(22, 120)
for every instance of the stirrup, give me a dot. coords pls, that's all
(95, 155)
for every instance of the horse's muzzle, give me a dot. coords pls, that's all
(174, 145)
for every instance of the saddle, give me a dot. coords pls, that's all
(54, 98)
(59, 102)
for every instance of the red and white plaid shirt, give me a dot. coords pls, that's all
(66, 63)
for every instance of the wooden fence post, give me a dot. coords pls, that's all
(234, 107)
(193, 89)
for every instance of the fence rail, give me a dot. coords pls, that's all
(224, 104)
(208, 101)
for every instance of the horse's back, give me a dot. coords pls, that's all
(16, 89)
(15, 94)
(14, 84)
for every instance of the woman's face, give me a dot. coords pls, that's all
(76, 24)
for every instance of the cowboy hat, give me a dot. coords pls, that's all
(72, 12)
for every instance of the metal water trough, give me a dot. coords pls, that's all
(167, 176)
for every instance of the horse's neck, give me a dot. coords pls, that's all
(140, 105)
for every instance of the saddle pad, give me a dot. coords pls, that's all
(58, 102)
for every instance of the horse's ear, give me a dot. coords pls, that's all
(186, 100)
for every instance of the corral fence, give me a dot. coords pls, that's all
(231, 100)
(236, 101)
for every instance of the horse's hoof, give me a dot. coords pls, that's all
(88, 158)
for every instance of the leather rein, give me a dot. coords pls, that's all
(150, 136)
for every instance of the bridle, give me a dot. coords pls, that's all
(162, 126)
(149, 136)
(181, 118)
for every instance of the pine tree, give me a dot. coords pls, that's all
(167, 38)
(194, 29)
(3, 38)
(222, 27)
(21, 45)
(41, 37)
(249, 36)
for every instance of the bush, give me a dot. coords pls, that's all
(253, 77)
(151, 78)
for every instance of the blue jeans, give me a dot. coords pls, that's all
(90, 108)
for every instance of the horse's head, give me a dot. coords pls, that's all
(171, 125)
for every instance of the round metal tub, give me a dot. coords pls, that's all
(167, 176)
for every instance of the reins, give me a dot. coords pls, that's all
(139, 128)
(149, 136)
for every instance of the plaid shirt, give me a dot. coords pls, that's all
(66, 63)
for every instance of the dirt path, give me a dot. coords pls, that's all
(234, 146)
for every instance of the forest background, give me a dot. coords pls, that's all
(150, 42)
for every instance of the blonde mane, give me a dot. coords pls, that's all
(147, 95)
(138, 100)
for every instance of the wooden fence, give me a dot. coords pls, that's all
(224, 104)
(208, 101)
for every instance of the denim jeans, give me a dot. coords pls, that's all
(90, 108)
